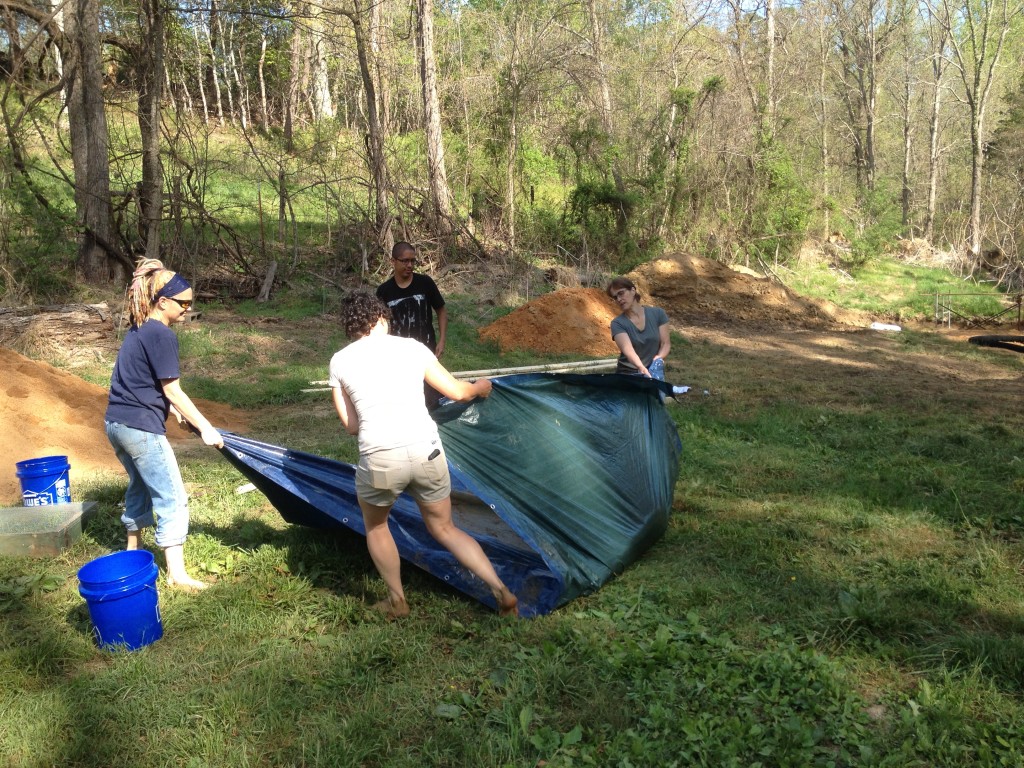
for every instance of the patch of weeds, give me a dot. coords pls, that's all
(14, 591)
(287, 306)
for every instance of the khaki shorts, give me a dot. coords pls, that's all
(382, 475)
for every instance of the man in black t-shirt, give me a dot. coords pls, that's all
(413, 299)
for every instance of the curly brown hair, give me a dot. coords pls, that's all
(361, 312)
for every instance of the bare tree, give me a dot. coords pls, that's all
(821, 105)
(202, 79)
(375, 140)
(380, 47)
(97, 254)
(865, 34)
(769, 76)
(526, 47)
(437, 174)
(938, 36)
(603, 104)
(904, 93)
(320, 91)
(150, 68)
(977, 31)
(213, 27)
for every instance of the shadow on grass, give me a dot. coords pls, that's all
(871, 498)
(332, 559)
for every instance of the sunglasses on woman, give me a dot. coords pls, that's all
(185, 304)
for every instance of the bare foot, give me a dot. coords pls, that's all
(508, 604)
(186, 584)
(397, 609)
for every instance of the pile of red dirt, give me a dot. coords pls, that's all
(692, 290)
(48, 412)
(570, 321)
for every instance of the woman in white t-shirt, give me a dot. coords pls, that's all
(377, 383)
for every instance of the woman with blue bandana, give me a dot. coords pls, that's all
(144, 389)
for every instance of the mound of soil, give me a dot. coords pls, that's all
(48, 412)
(693, 291)
(570, 321)
(696, 291)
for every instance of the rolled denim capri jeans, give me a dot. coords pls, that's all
(421, 470)
(156, 493)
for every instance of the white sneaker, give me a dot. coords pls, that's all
(679, 390)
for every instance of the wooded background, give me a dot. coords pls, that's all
(260, 137)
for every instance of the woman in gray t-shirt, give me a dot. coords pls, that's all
(641, 333)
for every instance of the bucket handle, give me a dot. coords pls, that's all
(46, 490)
(117, 595)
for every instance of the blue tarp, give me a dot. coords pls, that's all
(564, 479)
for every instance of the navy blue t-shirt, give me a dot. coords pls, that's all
(412, 308)
(149, 353)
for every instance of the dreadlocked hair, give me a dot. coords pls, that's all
(149, 277)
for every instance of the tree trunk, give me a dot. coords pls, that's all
(375, 133)
(264, 111)
(291, 93)
(510, 174)
(938, 67)
(438, 176)
(976, 51)
(977, 163)
(212, 43)
(169, 90)
(908, 131)
(242, 83)
(871, 106)
(605, 109)
(824, 48)
(202, 76)
(770, 97)
(97, 255)
(226, 67)
(150, 68)
(378, 51)
(320, 90)
(604, 101)
(65, 325)
(864, 33)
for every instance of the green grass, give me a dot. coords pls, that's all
(840, 585)
(896, 289)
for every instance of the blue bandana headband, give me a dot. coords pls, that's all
(175, 285)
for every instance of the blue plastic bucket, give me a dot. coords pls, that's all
(120, 589)
(44, 481)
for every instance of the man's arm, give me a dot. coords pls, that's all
(442, 331)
